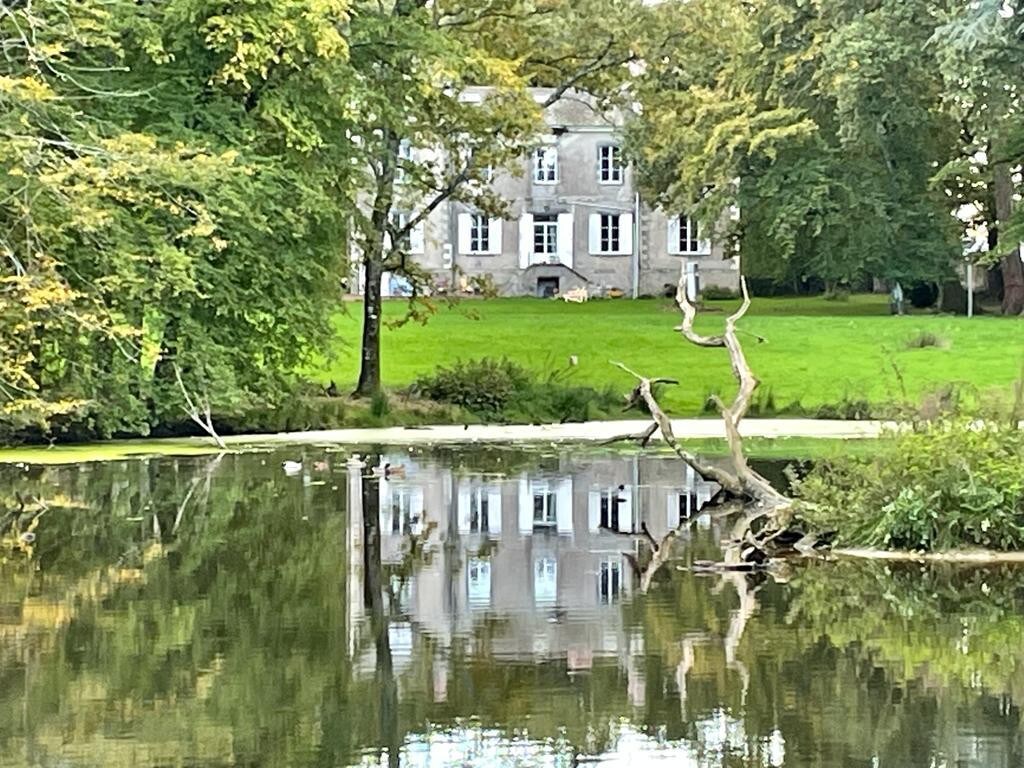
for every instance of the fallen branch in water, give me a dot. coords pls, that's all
(962, 557)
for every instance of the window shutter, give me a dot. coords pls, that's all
(417, 238)
(496, 226)
(384, 503)
(465, 222)
(626, 510)
(494, 512)
(565, 238)
(595, 233)
(673, 236)
(525, 506)
(626, 233)
(563, 508)
(594, 511)
(416, 510)
(525, 239)
(704, 247)
(464, 509)
(673, 515)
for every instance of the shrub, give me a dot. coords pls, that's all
(379, 405)
(501, 390)
(717, 293)
(484, 386)
(951, 483)
(923, 295)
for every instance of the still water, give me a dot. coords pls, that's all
(473, 608)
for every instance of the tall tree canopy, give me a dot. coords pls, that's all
(170, 186)
(823, 121)
(980, 49)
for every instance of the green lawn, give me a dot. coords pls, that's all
(817, 352)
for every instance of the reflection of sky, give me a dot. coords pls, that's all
(721, 740)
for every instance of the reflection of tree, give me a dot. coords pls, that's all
(374, 588)
(958, 627)
(231, 642)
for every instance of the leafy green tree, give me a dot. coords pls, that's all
(172, 178)
(418, 143)
(980, 49)
(817, 120)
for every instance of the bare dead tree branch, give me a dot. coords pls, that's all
(198, 410)
(752, 482)
(643, 393)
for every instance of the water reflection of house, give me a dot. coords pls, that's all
(543, 549)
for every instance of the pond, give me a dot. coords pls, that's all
(473, 607)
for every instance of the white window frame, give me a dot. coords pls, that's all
(414, 240)
(479, 234)
(546, 514)
(545, 581)
(547, 227)
(480, 510)
(690, 243)
(478, 582)
(610, 233)
(609, 581)
(610, 168)
(545, 165)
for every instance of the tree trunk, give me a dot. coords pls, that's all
(1011, 267)
(369, 369)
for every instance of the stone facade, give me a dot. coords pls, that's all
(575, 220)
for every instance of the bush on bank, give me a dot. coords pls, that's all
(500, 390)
(953, 483)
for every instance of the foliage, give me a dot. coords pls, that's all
(980, 54)
(485, 386)
(715, 293)
(951, 483)
(820, 122)
(500, 389)
(168, 207)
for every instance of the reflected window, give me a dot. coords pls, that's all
(689, 505)
(611, 507)
(404, 511)
(479, 511)
(479, 583)
(609, 581)
(400, 638)
(401, 594)
(545, 581)
(544, 506)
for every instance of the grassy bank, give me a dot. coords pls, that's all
(817, 354)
